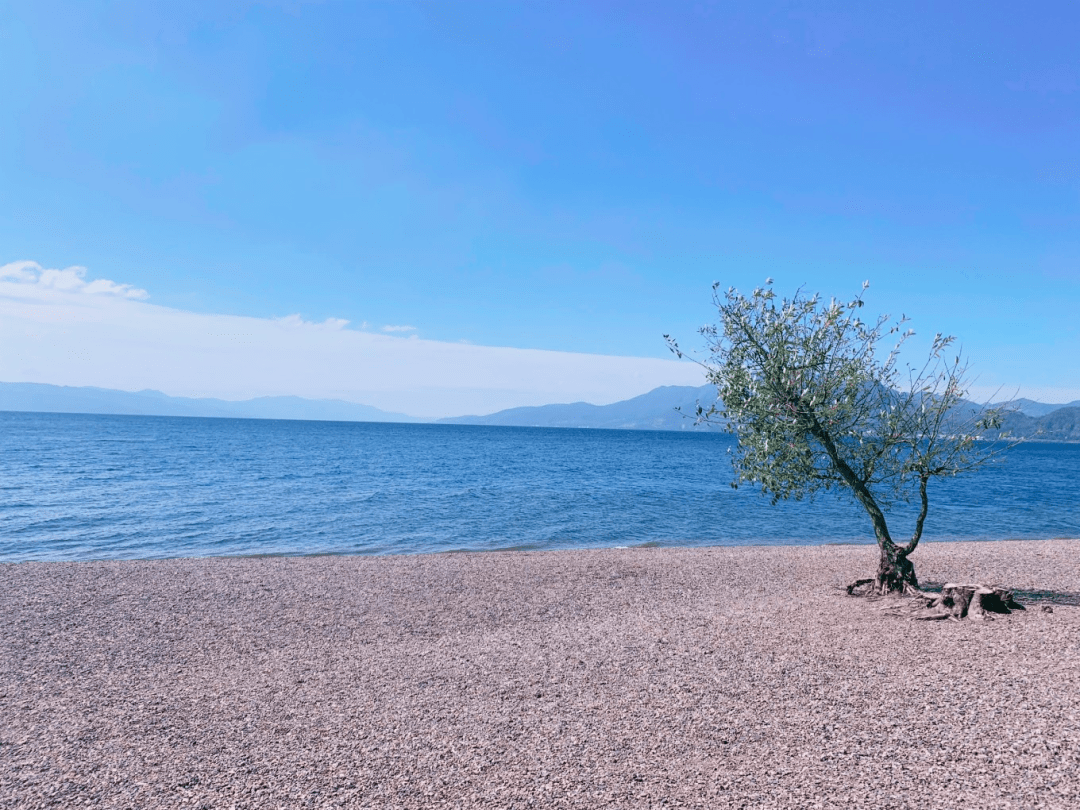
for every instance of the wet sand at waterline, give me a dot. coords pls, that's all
(707, 677)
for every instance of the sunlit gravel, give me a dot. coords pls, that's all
(712, 678)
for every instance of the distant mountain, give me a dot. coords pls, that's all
(655, 410)
(66, 399)
(1029, 407)
(1059, 425)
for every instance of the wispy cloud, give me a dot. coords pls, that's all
(70, 279)
(399, 328)
(298, 322)
(57, 327)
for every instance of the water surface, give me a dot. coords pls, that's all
(76, 487)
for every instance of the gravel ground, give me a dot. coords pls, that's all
(722, 677)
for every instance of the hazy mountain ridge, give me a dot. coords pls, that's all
(67, 399)
(1029, 407)
(1059, 425)
(655, 410)
(666, 408)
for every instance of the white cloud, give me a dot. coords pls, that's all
(55, 327)
(297, 321)
(20, 271)
(399, 328)
(70, 279)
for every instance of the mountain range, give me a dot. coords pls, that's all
(674, 407)
(66, 399)
(1029, 407)
(1059, 425)
(670, 407)
(666, 408)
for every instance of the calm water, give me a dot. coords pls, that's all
(93, 487)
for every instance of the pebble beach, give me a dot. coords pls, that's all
(643, 677)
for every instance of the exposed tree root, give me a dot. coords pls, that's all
(955, 602)
(895, 574)
(875, 587)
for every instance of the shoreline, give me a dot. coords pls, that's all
(524, 549)
(722, 676)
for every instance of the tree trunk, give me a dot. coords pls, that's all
(895, 574)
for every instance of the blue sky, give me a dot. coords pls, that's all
(569, 177)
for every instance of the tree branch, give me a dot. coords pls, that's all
(858, 487)
(910, 547)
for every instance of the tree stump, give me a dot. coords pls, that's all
(956, 601)
(972, 601)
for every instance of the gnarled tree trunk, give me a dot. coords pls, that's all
(895, 573)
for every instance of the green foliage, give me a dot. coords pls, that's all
(817, 400)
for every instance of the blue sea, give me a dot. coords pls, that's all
(86, 487)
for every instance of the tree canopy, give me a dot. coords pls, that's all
(818, 401)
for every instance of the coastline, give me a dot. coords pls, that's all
(523, 548)
(719, 676)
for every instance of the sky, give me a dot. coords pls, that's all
(446, 208)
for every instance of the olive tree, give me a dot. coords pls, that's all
(818, 401)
